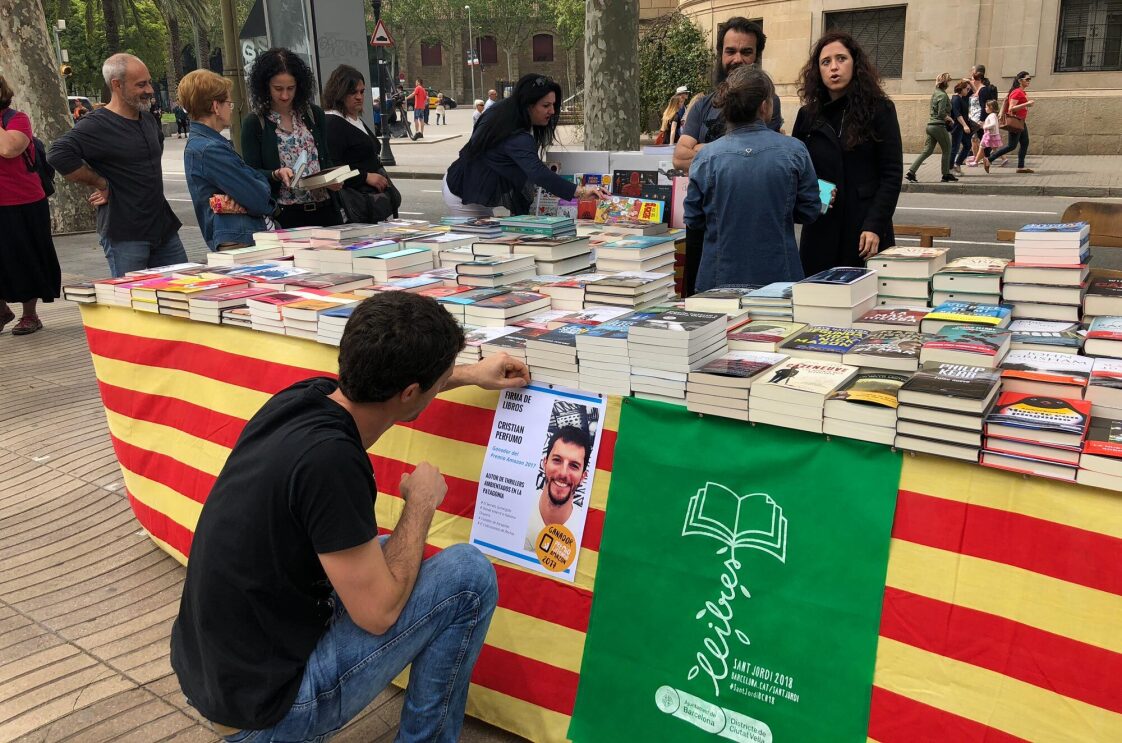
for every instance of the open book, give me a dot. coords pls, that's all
(325, 177)
(752, 520)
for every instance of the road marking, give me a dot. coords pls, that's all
(972, 211)
(412, 214)
(425, 190)
(958, 242)
(186, 201)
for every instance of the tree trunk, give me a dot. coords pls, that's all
(175, 56)
(28, 52)
(202, 51)
(112, 26)
(611, 75)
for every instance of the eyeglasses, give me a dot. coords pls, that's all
(540, 81)
(226, 102)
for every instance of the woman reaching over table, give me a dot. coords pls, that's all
(231, 199)
(284, 125)
(501, 163)
(849, 127)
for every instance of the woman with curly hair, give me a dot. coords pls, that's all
(284, 125)
(849, 127)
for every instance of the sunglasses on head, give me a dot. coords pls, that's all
(538, 82)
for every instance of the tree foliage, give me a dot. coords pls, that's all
(672, 52)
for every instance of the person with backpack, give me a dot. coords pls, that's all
(117, 152)
(29, 269)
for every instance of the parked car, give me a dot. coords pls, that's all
(449, 102)
(79, 100)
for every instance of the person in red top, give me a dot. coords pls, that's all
(1017, 104)
(29, 269)
(420, 108)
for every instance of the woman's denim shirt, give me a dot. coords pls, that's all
(747, 190)
(212, 166)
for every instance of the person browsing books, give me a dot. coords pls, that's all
(295, 614)
(501, 163)
(563, 470)
(214, 170)
(284, 125)
(751, 164)
(370, 196)
(850, 128)
(116, 151)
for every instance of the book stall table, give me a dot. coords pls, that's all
(1002, 601)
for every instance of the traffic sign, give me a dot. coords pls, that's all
(381, 36)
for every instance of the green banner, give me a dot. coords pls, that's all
(739, 584)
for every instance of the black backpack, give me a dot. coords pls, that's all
(35, 156)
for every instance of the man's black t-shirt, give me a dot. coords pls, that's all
(256, 600)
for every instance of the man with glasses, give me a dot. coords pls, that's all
(116, 151)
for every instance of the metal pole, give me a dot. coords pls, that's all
(232, 68)
(471, 55)
(387, 153)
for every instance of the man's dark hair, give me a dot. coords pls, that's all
(342, 83)
(744, 26)
(741, 95)
(276, 62)
(420, 81)
(981, 69)
(392, 340)
(571, 435)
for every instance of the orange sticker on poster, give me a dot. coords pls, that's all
(556, 548)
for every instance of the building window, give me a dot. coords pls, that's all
(430, 55)
(488, 50)
(543, 47)
(1090, 36)
(880, 32)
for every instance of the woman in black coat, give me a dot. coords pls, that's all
(850, 128)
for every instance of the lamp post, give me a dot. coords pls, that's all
(471, 54)
(387, 153)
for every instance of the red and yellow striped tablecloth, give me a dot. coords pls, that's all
(1002, 613)
(177, 395)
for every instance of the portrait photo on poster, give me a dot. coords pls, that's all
(536, 482)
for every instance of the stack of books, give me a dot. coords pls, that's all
(568, 292)
(343, 234)
(636, 289)
(726, 299)
(251, 254)
(329, 282)
(265, 311)
(1100, 465)
(636, 253)
(341, 259)
(82, 292)
(1104, 388)
(552, 356)
(237, 316)
(513, 344)
(116, 292)
(892, 318)
(302, 319)
(482, 227)
(865, 408)
(822, 343)
(770, 302)
(552, 256)
(894, 350)
(385, 266)
(1104, 295)
(1046, 373)
(793, 393)
(835, 297)
(526, 224)
(504, 309)
(972, 345)
(942, 408)
(332, 322)
(761, 335)
(904, 275)
(1043, 335)
(1048, 275)
(620, 226)
(1036, 435)
(971, 279)
(663, 349)
(288, 240)
(721, 386)
(602, 352)
(474, 338)
(965, 313)
(497, 270)
(456, 304)
(1104, 337)
(209, 307)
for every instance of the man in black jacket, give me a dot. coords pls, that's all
(116, 151)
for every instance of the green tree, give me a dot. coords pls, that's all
(672, 52)
(568, 21)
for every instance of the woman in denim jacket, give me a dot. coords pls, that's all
(748, 189)
(214, 169)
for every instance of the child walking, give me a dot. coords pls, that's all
(991, 133)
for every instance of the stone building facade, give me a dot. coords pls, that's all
(1073, 49)
(443, 65)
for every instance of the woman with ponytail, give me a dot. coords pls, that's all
(750, 164)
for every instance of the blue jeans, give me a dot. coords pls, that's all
(962, 142)
(440, 631)
(135, 255)
(1015, 139)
